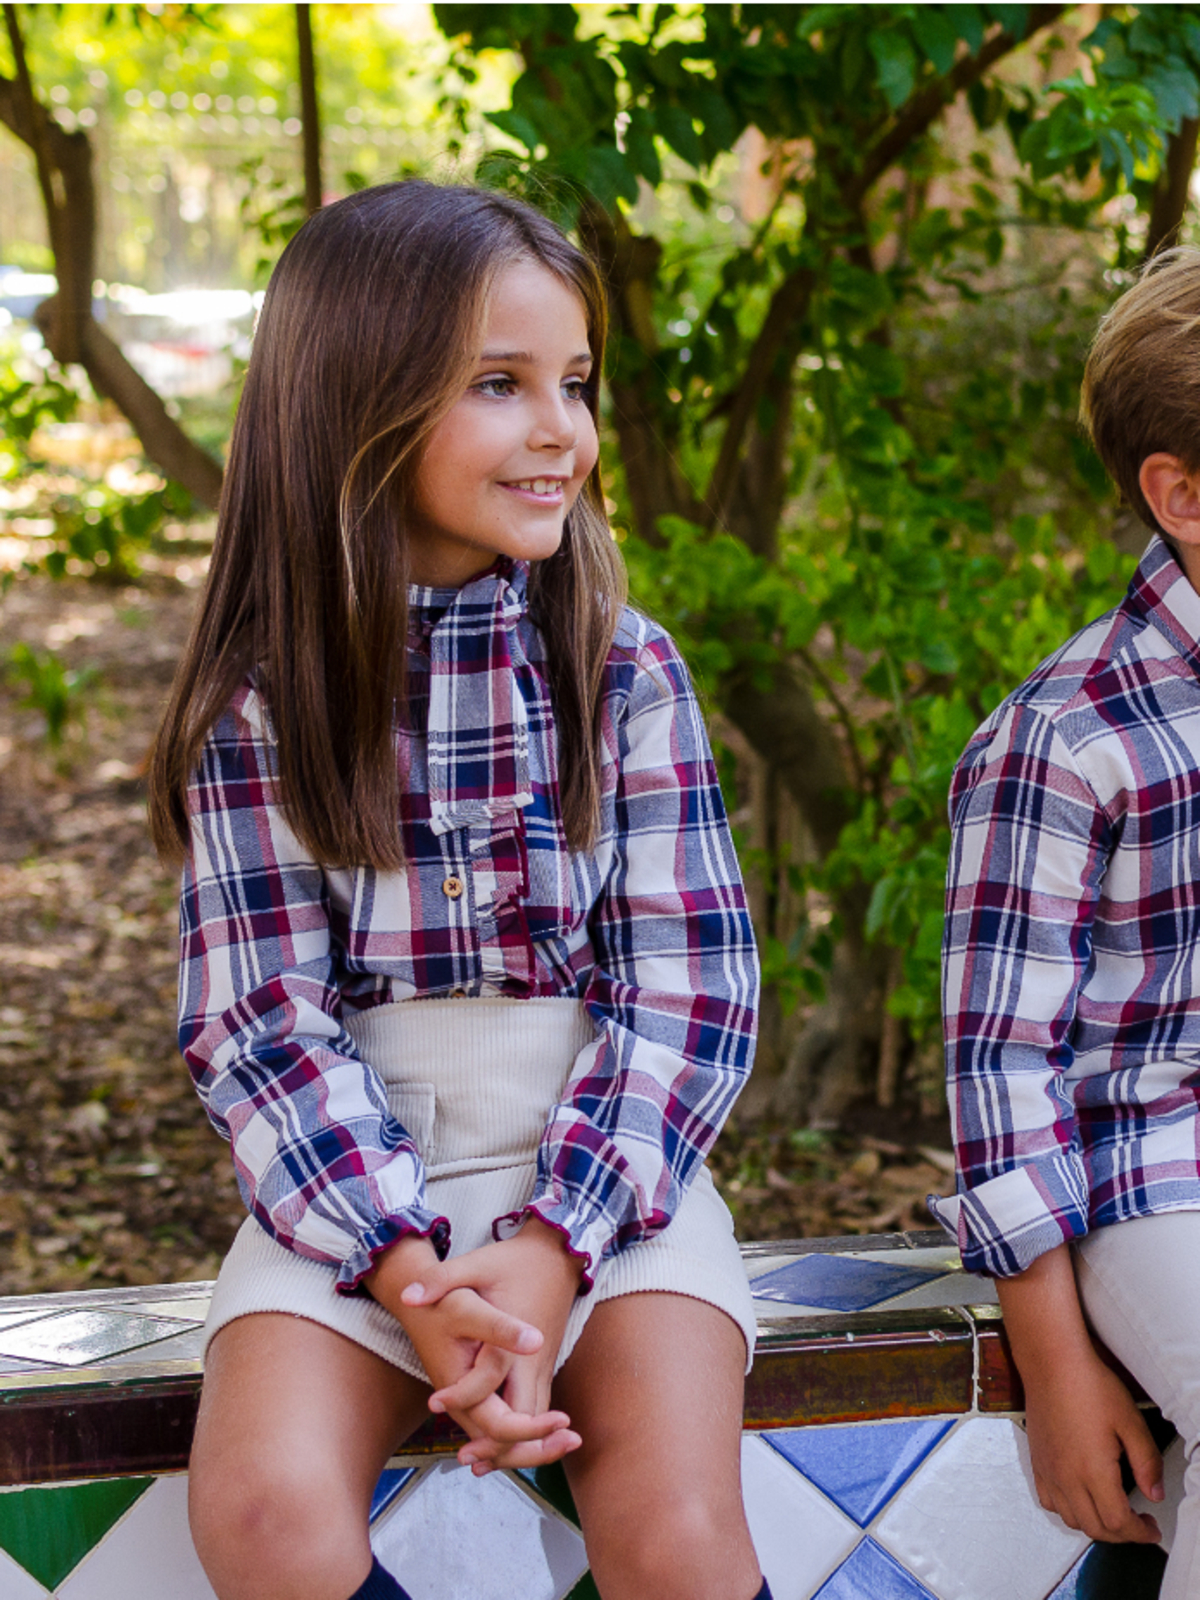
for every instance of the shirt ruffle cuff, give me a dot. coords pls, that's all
(1005, 1223)
(582, 1242)
(371, 1245)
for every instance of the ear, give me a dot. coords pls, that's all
(1173, 494)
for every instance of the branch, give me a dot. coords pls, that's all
(784, 726)
(788, 306)
(919, 114)
(309, 109)
(1171, 191)
(65, 320)
(791, 299)
(629, 264)
(64, 171)
(163, 440)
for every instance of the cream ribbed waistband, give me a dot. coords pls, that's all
(471, 1080)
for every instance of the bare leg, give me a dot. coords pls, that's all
(296, 1423)
(655, 1389)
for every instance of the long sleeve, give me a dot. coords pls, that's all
(1031, 845)
(673, 991)
(320, 1163)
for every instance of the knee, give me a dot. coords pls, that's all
(269, 1522)
(691, 1546)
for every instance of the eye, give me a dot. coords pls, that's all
(498, 388)
(577, 388)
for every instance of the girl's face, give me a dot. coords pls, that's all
(504, 466)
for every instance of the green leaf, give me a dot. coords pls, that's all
(970, 24)
(895, 64)
(1174, 91)
(641, 153)
(675, 125)
(517, 127)
(939, 657)
(936, 35)
(1012, 19)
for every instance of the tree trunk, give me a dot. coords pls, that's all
(310, 116)
(72, 335)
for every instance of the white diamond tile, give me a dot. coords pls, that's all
(758, 1265)
(16, 1583)
(799, 1535)
(456, 1535)
(191, 1308)
(955, 1289)
(148, 1555)
(969, 1525)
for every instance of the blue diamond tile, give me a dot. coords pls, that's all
(1114, 1572)
(871, 1574)
(840, 1283)
(391, 1481)
(1068, 1589)
(860, 1467)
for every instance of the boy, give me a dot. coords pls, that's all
(1072, 971)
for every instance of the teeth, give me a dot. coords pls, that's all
(538, 485)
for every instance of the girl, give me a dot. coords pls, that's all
(467, 976)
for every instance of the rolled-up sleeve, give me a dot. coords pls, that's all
(673, 993)
(1031, 844)
(320, 1163)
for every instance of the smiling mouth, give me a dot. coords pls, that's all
(548, 489)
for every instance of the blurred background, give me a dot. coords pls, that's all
(854, 254)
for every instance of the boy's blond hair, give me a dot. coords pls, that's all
(1141, 385)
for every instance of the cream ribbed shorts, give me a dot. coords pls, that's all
(472, 1081)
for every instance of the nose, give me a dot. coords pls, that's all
(553, 427)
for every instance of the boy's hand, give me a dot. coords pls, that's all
(1078, 1414)
(1079, 1420)
(533, 1277)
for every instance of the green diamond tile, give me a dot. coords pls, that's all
(50, 1530)
(585, 1589)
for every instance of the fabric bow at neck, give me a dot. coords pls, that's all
(478, 722)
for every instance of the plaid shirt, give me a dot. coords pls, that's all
(1072, 946)
(649, 929)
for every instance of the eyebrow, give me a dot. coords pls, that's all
(524, 355)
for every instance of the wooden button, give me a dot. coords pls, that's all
(452, 888)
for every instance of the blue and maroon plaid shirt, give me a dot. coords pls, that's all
(649, 930)
(1072, 946)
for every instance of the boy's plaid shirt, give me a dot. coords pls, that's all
(1072, 946)
(650, 930)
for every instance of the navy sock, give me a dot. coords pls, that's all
(379, 1585)
(764, 1593)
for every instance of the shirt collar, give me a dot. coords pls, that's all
(426, 598)
(1161, 594)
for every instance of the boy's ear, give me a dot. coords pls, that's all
(1173, 494)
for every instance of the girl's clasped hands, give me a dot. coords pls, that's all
(488, 1326)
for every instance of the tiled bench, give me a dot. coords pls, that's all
(883, 1458)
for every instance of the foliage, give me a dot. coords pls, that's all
(50, 687)
(90, 529)
(865, 358)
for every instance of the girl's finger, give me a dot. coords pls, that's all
(502, 1424)
(484, 1378)
(476, 1319)
(434, 1284)
(537, 1452)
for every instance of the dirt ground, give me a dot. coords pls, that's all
(111, 1174)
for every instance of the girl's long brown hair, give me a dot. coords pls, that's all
(367, 337)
